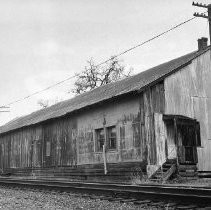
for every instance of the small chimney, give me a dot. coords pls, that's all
(202, 43)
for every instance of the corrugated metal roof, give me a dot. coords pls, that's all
(130, 84)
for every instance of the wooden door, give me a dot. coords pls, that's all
(187, 151)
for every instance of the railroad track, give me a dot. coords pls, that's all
(153, 195)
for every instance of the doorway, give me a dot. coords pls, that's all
(183, 134)
(187, 144)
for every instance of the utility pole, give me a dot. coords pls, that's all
(196, 14)
(104, 145)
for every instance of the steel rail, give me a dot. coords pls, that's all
(156, 190)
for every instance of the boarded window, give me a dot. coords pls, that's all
(48, 148)
(100, 139)
(111, 132)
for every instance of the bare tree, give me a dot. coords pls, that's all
(94, 76)
(43, 103)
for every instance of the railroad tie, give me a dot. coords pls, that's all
(128, 200)
(187, 207)
(142, 202)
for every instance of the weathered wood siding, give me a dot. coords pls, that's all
(135, 123)
(125, 115)
(67, 146)
(18, 151)
(153, 103)
(188, 93)
(59, 146)
(161, 138)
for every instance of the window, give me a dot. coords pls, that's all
(110, 138)
(111, 132)
(100, 139)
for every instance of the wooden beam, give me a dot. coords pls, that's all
(176, 138)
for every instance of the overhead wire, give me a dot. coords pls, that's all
(104, 62)
(40, 91)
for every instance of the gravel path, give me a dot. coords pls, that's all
(15, 198)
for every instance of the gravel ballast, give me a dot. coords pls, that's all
(16, 198)
(12, 197)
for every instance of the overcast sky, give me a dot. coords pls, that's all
(45, 41)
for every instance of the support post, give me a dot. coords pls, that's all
(176, 139)
(209, 19)
(104, 160)
(104, 146)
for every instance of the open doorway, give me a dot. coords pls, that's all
(183, 137)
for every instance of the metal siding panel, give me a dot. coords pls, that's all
(187, 92)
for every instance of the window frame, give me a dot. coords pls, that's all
(109, 137)
(99, 140)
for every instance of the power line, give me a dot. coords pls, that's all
(149, 40)
(40, 91)
(104, 62)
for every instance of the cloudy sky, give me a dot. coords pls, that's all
(45, 41)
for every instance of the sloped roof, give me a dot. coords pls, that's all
(103, 93)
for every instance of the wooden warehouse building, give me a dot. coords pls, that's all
(160, 115)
